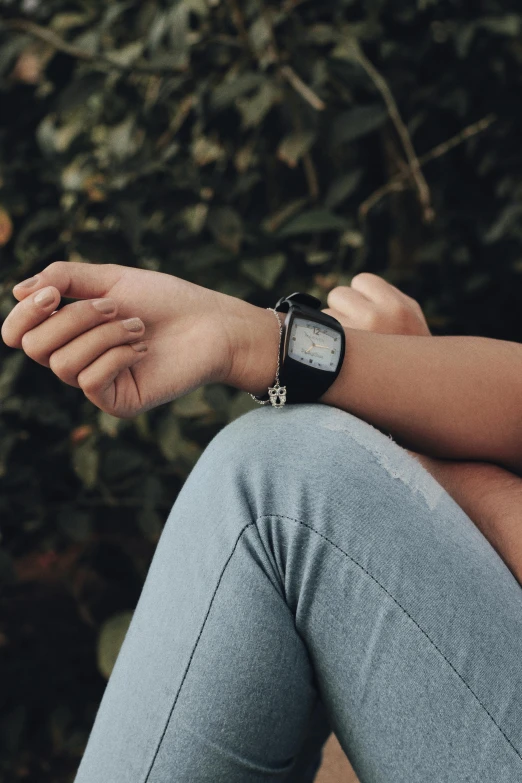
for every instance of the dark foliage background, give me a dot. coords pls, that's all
(241, 145)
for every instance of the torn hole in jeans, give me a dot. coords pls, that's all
(399, 463)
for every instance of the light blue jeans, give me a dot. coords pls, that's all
(313, 576)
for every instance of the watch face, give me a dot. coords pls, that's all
(314, 344)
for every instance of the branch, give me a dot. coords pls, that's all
(299, 86)
(398, 183)
(54, 40)
(286, 71)
(414, 165)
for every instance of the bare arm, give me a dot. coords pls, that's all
(451, 397)
(445, 396)
(489, 494)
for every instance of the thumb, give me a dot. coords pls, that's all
(73, 279)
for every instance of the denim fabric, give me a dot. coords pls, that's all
(313, 576)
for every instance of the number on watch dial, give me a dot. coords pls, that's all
(314, 344)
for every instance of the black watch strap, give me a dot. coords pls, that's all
(304, 383)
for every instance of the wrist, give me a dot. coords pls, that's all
(255, 347)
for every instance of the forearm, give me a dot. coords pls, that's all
(450, 397)
(492, 497)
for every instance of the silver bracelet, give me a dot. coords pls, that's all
(276, 393)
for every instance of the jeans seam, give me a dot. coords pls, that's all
(304, 524)
(194, 650)
(321, 535)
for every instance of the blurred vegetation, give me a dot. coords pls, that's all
(253, 147)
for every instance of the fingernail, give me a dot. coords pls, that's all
(132, 324)
(139, 346)
(104, 305)
(45, 297)
(27, 283)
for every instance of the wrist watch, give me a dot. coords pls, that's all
(312, 348)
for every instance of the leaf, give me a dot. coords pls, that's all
(127, 54)
(274, 221)
(312, 221)
(195, 216)
(348, 48)
(508, 219)
(241, 403)
(358, 122)
(120, 462)
(253, 110)
(508, 25)
(10, 369)
(318, 257)
(189, 454)
(226, 93)
(206, 150)
(170, 439)
(7, 441)
(264, 271)
(226, 226)
(110, 425)
(192, 405)
(110, 639)
(77, 525)
(85, 462)
(238, 288)
(293, 147)
(150, 523)
(88, 41)
(178, 25)
(342, 187)
(11, 47)
(351, 238)
(52, 138)
(260, 34)
(121, 140)
(209, 255)
(321, 34)
(66, 21)
(74, 176)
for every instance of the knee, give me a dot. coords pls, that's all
(299, 450)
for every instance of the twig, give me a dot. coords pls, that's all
(239, 21)
(399, 182)
(286, 71)
(54, 40)
(393, 111)
(311, 176)
(299, 86)
(458, 138)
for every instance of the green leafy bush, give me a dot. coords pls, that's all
(252, 147)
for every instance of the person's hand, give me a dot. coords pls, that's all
(489, 494)
(192, 335)
(373, 304)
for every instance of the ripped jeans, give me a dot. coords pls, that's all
(313, 576)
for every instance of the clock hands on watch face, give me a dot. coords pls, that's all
(314, 345)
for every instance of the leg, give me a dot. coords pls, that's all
(307, 559)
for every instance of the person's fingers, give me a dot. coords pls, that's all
(68, 361)
(340, 316)
(378, 290)
(110, 384)
(73, 279)
(28, 314)
(356, 309)
(40, 340)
